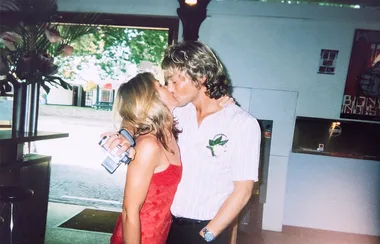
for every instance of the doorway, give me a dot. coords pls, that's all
(278, 108)
(78, 182)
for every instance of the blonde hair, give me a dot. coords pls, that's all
(140, 108)
(198, 61)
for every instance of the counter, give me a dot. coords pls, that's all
(337, 138)
(12, 144)
(31, 171)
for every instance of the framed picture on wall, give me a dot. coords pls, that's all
(361, 98)
(327, 61)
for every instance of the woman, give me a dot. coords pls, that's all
(154, 174)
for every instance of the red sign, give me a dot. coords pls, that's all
(361, 99)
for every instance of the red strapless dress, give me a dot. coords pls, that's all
(155, 216)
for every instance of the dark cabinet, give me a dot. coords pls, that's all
(30, 171)
(29, 215)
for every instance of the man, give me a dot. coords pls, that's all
(220, 147)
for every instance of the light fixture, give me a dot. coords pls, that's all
(192, 13)
(191, 2)
(335, 129)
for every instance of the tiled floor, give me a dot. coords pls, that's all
(291, 235)
(59, 213)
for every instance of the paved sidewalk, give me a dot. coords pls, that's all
(77, 176)
(95, 188)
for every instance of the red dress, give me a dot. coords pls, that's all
(155, 216)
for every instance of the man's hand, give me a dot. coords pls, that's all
(115, 140)
(231, 207)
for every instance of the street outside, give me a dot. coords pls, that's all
(77, 176)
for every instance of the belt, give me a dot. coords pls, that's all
(186, 221)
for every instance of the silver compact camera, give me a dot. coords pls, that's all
(111, 162)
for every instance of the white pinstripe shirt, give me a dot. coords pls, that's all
(208, 180)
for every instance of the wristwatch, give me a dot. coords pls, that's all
(208, 235)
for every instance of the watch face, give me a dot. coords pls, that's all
(209, 236)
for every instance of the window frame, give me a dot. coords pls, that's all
(126, 20)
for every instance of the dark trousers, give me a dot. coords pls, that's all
(186, 231)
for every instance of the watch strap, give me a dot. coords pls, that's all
(208, 235)
(126, 134)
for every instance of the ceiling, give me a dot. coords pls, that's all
(361, 3)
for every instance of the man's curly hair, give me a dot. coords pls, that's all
(198, 61)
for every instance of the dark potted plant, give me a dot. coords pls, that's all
(30, 39)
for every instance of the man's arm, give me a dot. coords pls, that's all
(245, 161)
(231, 207)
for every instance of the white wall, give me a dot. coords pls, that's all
(137, 7)
(274, 46)
(278, 106)
(282, 52)
(346, 192)
(60, 96)
(277, 47)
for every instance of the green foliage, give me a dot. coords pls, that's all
(147, 45)
(71, 34)
(103, 52)
(112, 50)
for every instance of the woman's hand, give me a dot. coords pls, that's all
(226, 100)
(117, 144)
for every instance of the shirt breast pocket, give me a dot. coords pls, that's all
(221, 161)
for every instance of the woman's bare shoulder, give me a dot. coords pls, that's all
(147, 149)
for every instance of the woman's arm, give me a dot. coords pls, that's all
(139, 175)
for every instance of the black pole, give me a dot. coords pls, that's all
(192, 17)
